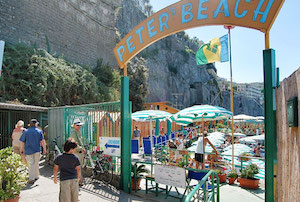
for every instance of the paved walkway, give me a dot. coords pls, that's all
(94, 191)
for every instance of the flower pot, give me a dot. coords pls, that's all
(231, 180)
(249, 183)
(138, 181)
(13, 200)
(222, 177)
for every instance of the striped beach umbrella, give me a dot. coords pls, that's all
(197, 112)
(148, 115)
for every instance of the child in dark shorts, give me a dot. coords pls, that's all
(69, 166)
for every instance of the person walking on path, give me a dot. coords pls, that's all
(16, 143)
(69, 166)
(31, 141)
(199, 152)
(76, 135)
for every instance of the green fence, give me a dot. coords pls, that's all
(8, 119)
(100, 120)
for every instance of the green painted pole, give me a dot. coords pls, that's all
(270, 129)
(169, 127)
(277, 77)
(125, 136)
(156, 127)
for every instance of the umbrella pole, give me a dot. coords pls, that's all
(231, 94)
(203, 165)
(151, 141)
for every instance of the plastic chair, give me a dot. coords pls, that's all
(163, 139)
(134, 146)
(193, 175)
(147, 146)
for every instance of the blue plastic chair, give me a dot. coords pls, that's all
(167, 138)
(134, 146)
(163, 139)
(173, 136)
(147, 146)
(158, 141)
(193, 175)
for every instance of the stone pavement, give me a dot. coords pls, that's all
(45, 190)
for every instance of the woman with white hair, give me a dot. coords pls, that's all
(16, 134)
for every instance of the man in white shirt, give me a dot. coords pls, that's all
(199, 152)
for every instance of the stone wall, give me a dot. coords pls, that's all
(81, 30)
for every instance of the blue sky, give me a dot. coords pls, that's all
(248, 44)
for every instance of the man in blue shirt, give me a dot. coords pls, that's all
(31, 141)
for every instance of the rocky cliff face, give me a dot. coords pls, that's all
(173, 73)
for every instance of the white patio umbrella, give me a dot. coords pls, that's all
(243, 117)
(253, 139)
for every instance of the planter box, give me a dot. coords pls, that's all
(231, 180)
(222, 177)
(248, 183)
(137, 184)
(13, 200)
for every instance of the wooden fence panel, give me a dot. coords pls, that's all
(288, 142)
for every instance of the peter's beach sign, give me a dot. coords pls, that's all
(186, 14)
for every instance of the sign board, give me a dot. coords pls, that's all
(110, 145)
(170, 175)
(2, 43)
(258, 14)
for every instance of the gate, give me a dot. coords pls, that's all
(100, 120)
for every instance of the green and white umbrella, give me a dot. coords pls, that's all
(148, 115)
(197, 112)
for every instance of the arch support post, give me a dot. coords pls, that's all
(125, 136)
(270, 121)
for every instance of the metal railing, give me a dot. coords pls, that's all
(214, 195)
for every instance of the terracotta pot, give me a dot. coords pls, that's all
(138, 181)
(249, 183)
(222, 177)
(231, 180)
(13, 200)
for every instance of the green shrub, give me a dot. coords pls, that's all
(12, 174)
(232, 174)
(249, 171)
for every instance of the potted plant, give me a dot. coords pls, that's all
(222, 176)
(232, 176)
(141, 171)
(12, 175)
(247, 179)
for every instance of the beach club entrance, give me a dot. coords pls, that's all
(259, 15)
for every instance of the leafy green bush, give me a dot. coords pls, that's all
(232, 174)
(35, 77)
(249, 171)
(12, 174)
(141, 170)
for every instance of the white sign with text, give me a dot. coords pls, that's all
(110, 145)
(170, 175)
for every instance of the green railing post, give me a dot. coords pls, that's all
(156, 127)
(270, 130)
(169, 127)
(125, 136)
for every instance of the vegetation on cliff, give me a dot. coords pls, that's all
(35, 77)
